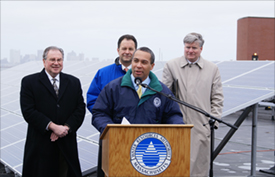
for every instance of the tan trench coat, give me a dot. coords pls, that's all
(199, 85)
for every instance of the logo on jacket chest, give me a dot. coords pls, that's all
(157, 102)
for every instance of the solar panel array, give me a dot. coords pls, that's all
(14, 128)
(244, 83)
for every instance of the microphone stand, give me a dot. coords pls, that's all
(211, 122)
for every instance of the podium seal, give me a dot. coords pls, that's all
(151, 154)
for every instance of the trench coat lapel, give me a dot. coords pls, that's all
(200, 63)
(183, 64)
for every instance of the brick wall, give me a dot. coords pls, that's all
(256, 35)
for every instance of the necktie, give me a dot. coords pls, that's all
(55, 86)
(126, 69)
(139, 91)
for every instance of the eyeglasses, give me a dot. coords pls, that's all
(52, 60)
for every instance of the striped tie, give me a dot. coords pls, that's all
(55, 86)
(139, 91)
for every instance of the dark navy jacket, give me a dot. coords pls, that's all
(119, 99)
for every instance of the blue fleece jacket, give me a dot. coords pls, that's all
(102, 77)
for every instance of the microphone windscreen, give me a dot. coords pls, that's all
(138, 80)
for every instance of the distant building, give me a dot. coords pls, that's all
(71, 56)
(81, 56)
(28, 57)
(39, 55)
(95, 59)
(256, 37)
(15, 56)
(4, 61)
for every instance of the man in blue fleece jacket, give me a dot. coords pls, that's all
(126, 46)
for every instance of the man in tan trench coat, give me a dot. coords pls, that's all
(198, 83)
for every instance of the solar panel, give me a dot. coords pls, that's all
(244, 83)
(240, 98)
(232, 69)
(260, 77)
(246, 87)
(14, 127)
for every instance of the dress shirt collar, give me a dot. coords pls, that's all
(184, 62)
(57, 77)
(193, 62)
(123, 67)
(146, 81)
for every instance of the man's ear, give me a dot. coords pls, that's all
(152, 66)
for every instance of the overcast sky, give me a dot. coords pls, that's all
(93, 27)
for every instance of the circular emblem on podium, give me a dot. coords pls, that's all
(151, 154)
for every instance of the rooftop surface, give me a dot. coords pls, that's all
(235, 157)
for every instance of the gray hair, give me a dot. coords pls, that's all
(193, 37)
(46, 51)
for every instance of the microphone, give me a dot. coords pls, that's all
(138, 80)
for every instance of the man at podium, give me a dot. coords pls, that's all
(120, 98)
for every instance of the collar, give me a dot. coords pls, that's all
(154, 82)
(57, 77)
(146, 81)
(193, 62)
(117, 61)
(184, 62)
(123, 67)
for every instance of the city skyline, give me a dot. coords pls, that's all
(15, 57)
(93, 27)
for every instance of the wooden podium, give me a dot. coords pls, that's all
(120, 144)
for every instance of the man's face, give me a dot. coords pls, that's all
(141, 64)
(125, 51)
(54, 62)
(192, 51)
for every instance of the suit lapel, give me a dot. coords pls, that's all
(46, 82)
(63, 85)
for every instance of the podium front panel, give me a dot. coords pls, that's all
(146, 150)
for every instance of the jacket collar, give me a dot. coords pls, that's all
(117, 61)
(126, 81)
(47, 83)
(184, 62)
(155, 84)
